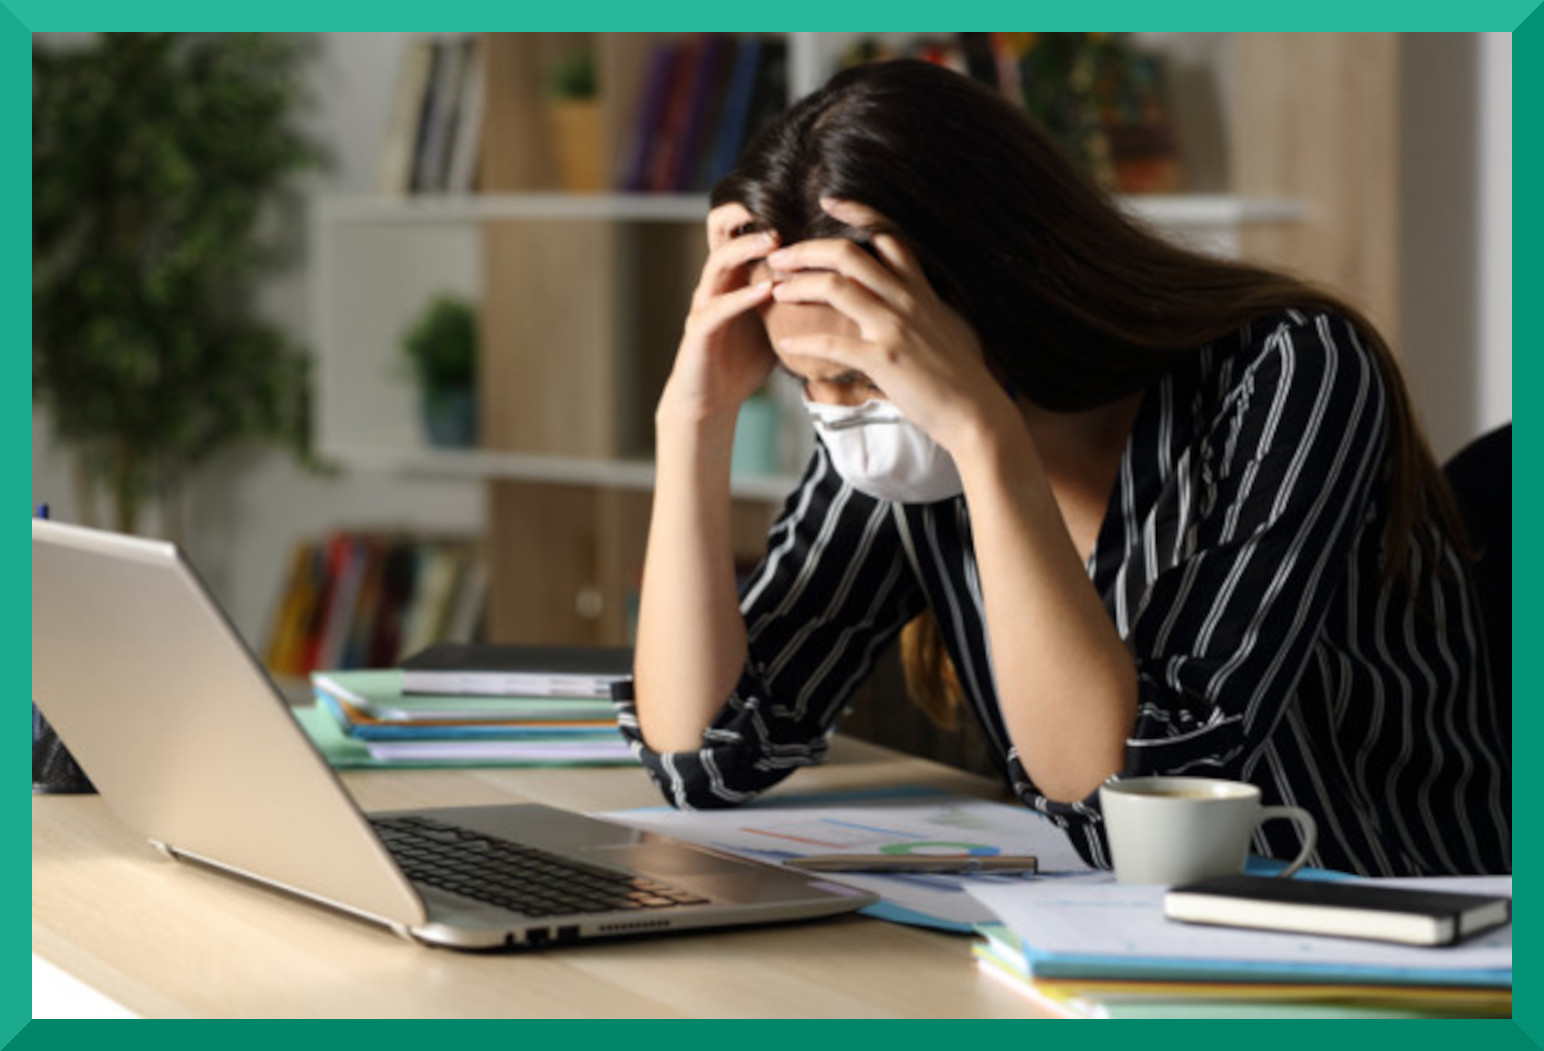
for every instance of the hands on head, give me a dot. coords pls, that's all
(851, 323)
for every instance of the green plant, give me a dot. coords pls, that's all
(573, 76)
(441, 345)
(158, 163)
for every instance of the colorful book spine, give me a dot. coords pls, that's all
(650, 116)
(736, 110)
(363, 600)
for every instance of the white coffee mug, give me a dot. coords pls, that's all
(1177, 829)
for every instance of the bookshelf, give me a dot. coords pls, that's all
(582, 297)
(378, 432)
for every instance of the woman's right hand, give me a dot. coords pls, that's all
(724, 353)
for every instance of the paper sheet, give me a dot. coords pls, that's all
(900, 822)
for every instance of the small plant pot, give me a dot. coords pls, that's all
(576, 141)
(450, 417)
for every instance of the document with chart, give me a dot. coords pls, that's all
(887, 822)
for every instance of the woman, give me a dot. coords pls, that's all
(1149, 512)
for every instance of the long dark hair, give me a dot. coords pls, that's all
(1076, 302)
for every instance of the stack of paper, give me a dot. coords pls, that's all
(364, 719)
(1090, 947)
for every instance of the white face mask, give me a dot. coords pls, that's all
(878, 451)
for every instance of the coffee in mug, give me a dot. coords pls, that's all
(1178, 829)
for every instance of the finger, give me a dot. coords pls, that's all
(881, 232)
(850, 260)
(872, 313)
(724, 220)
(854, 213)
(717, 312)
(722, 270)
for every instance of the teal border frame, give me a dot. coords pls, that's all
(20, 18)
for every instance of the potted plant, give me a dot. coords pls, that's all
(441, 349)
(574, 115)
(158, 160)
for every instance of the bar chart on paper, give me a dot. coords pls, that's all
(886, 824)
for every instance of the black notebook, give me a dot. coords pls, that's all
(1339, 909)
(516, 671)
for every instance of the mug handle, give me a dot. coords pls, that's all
(1306, 827)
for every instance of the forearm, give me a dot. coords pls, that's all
(1065, 681)
(691, 637)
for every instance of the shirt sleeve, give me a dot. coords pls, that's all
(1286, 482)
(833, 589)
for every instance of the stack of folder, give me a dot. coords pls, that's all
(363, 718)
(1104, 950)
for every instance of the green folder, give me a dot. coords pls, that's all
(378, 693)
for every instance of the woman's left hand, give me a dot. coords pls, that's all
(924, 356)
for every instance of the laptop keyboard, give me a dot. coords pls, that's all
(514, 876)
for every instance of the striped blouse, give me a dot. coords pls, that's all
(1239, 561)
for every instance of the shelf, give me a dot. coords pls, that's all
(484, 464)
(479, 208)
(1211, 211)
(1179, 211)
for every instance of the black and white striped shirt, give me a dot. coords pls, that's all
(1238, 559)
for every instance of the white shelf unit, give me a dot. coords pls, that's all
(379, 259)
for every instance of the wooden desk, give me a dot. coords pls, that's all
(166, 939)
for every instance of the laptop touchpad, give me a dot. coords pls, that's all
(663, 859)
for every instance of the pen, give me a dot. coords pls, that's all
(963, 864)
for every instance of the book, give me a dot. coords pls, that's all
(427, 104)
(438, 573)
(466, 144)
(368, 605)
(433, 160)
(413, 71)
(771, 94)
(650, 116)
(704, 98)
(1339, 909)
(667, 140)
(398, 579)
(463, 620)
(346, 574)
(286, 636)
(735, 113)
(614, 750)
(526, 671)
(377, 692)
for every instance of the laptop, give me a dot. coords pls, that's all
(191, 744)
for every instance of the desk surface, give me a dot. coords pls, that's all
(166, 939)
